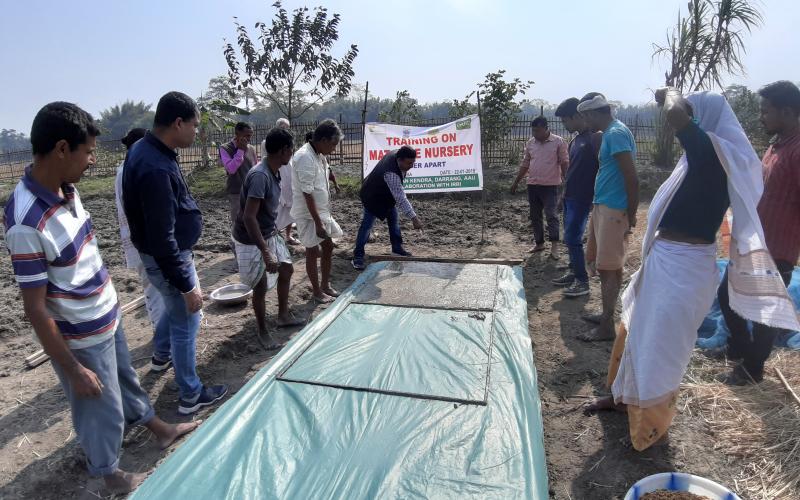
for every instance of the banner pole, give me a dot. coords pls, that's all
(364, 130)
(483, 188)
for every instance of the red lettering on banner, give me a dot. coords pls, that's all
(451, 137)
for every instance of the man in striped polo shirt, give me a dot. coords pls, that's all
(68, 296)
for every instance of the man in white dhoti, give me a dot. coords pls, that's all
(667, 299)
(311, 207)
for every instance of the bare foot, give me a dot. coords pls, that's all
(603, 404)
(175, 431)
(290, 320)
(536, 248)
(269, 342)
(293, 241)
(324, 298)
(597, 335)
(331, 292)
(121, 482)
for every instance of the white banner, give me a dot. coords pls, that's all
(448, 156)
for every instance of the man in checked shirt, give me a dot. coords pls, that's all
(382, 195)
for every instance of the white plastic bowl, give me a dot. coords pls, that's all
(230, 295)
(678, 481)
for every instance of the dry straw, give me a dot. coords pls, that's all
(758, 425)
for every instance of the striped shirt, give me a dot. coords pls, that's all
(52, 244)
(395, 184)
(779, 208)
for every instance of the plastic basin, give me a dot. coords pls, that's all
(679, 481)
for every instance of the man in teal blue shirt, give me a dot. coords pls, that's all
(616, 199)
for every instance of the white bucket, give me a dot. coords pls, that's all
(678, 481)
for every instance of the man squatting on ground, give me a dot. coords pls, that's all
(578, 194)
(544, 163)
(616, 199)
(311, 208)
(779, 212)
(165, 224)
(237, 157)
(382, 195)
(152, 299)
(69, 298)
(668, 298)
(261, 252)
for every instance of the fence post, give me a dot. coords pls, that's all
(363, 130)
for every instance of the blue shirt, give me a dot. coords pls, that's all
(583, 166)
(163, 217)
(609, 188)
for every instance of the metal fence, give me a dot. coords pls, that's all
(502, 151)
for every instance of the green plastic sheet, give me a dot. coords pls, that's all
(382, 400)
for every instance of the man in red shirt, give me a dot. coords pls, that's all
(779, 211)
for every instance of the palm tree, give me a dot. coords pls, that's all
(701, 49)
(119, 119)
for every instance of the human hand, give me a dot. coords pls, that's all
(270, 262)
(194, 300)
(514, 188)
(417, 223)
(85, 383)
(321, 233)
(632, 220)
(661, 95)
(336, 187)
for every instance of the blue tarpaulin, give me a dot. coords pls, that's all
(714, 332)
(418, 382)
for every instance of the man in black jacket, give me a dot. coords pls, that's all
(165, 223)
(382, 195)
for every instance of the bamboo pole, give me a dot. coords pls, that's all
(787, 386)
(445, 260)
(483, 188)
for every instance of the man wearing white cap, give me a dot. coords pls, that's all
(616, 198)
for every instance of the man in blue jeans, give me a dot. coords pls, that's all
(69, 297)
(382, 194)
(165, 224)
(578, 194)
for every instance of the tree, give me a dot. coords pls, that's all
(462, 108)
(498, 103)
(292, 66)
(11, 140)
(117, 120)
(746, 105)
(404, 109)
(701, 49)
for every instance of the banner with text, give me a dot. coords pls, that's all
(448, 156)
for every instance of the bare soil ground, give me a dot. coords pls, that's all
(588, 457)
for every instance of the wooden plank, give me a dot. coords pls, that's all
(39, 357)
(397, 258)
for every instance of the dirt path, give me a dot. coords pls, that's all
(587, 456)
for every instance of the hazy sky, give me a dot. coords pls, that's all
(98, 53)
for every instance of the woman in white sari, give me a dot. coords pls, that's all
(668, 297)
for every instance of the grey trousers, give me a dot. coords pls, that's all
(100, 422)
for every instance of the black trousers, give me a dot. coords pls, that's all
(543, 198)
(753, 351)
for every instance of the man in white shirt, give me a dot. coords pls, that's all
(311, 206)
